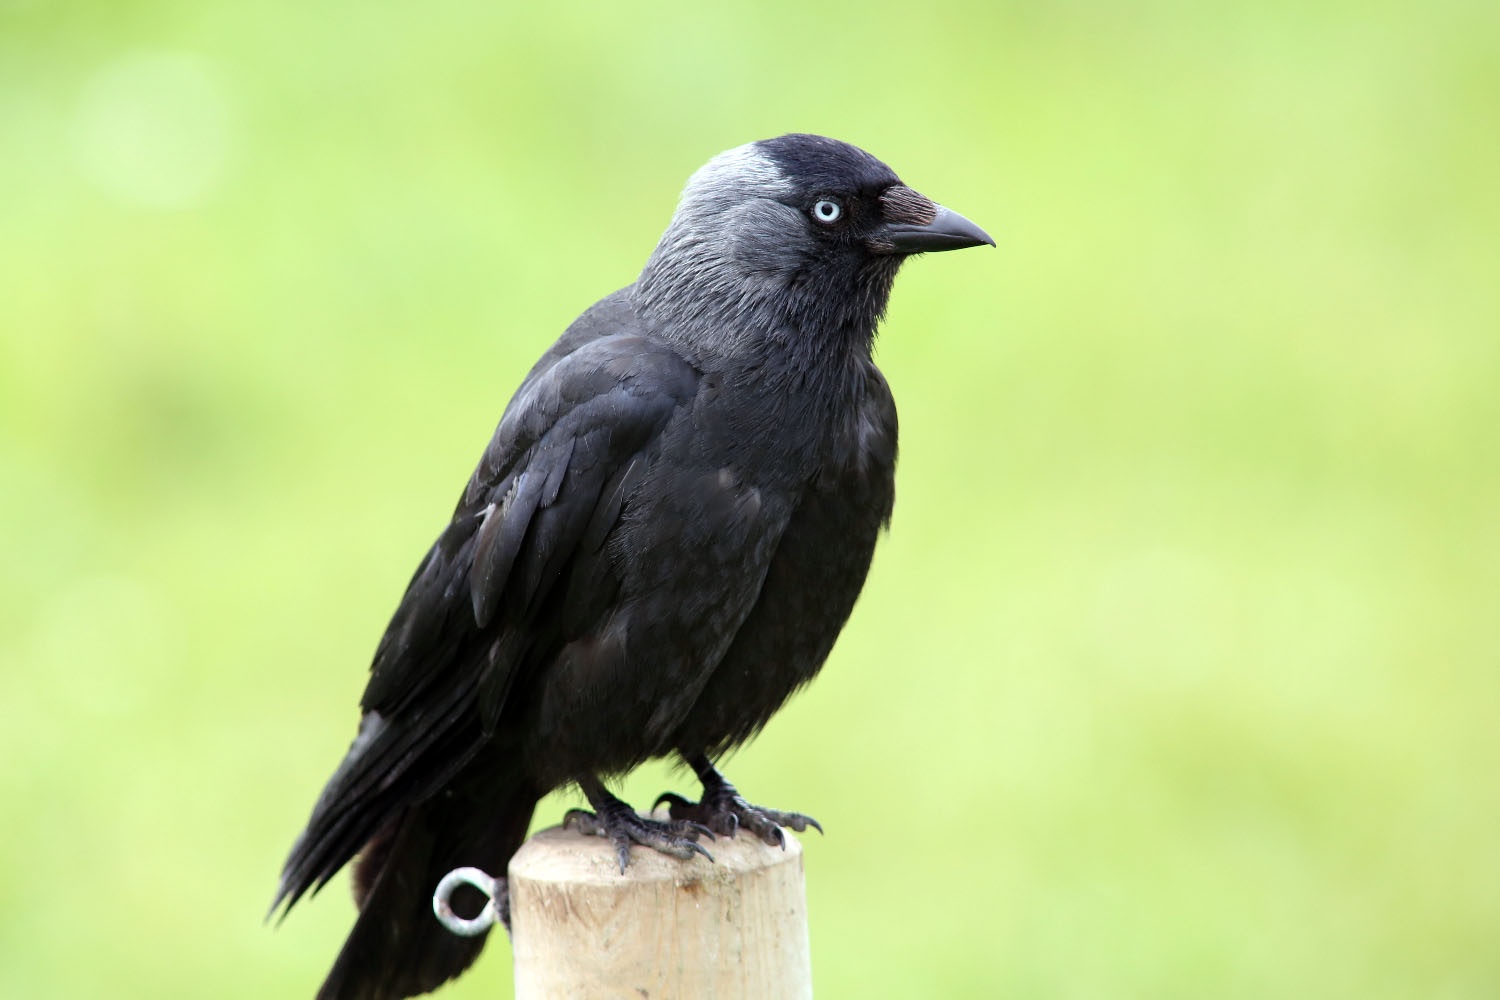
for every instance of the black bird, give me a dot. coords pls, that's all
(660, 544)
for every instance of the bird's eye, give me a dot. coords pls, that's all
(827, 211)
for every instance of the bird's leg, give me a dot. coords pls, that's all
(723, 811)
(615, 819)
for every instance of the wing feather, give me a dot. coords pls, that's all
(550, 487)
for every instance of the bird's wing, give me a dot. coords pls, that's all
(572, 444)
(574, 441)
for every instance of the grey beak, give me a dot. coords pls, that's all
(947, 231)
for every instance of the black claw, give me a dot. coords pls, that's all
(677, 838)
(584, 822)
(723, 813)
(673, 800)
(797, 821)
(682, 812)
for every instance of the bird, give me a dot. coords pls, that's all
(659, 545)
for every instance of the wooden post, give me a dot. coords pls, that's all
(733, 929)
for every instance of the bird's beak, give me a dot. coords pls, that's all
(915, 224)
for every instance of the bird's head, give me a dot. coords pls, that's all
(801, 233)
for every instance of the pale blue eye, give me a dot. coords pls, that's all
(827, 211)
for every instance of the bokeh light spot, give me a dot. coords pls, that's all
(153, 129)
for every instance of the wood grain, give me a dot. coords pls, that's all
(734, 928)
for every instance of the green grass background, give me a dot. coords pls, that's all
(1177, 673)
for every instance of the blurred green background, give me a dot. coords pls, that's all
(1177, 674)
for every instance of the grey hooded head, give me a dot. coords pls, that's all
(788, 240)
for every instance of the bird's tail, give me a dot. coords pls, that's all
(397, 947)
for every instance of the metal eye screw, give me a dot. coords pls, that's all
(443, 908)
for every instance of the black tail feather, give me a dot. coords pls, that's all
(388, 767)
(397, 947)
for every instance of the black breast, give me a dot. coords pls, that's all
(813, 580)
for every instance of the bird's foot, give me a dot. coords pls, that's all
(724, 812)
(677, 838)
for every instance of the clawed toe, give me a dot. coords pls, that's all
(724, 812)
(796, 821)
(676, 838)
(584, 822)
(718, 822)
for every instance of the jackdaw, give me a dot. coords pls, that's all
(660, 544)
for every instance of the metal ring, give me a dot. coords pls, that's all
(486, 917)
